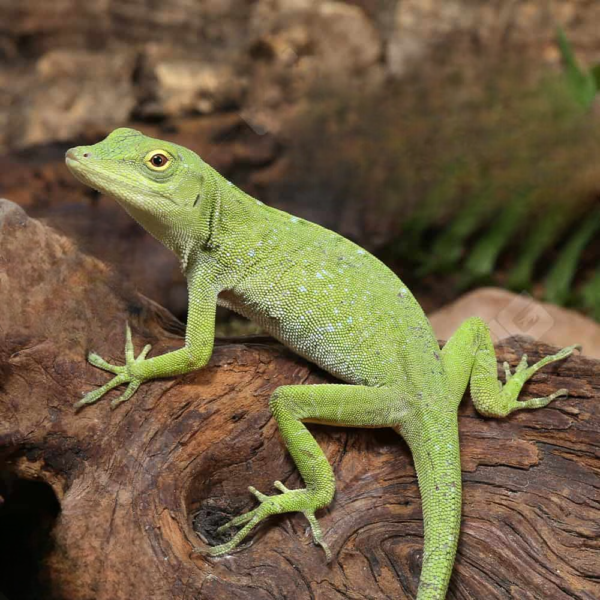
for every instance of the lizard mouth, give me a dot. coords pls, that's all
(88, 173)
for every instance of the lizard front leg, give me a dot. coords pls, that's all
(199, 340)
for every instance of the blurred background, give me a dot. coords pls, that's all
(456, 140)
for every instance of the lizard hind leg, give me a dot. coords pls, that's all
(349, 405)
(469, 356)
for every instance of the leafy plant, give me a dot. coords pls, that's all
(583, 84)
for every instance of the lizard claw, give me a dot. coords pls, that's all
(289, 501)
(122, 374)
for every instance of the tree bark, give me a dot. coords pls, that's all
(136, 489)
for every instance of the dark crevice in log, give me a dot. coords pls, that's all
(27, 517)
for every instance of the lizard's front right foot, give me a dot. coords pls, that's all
(123, 374)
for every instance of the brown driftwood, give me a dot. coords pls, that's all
(134, 485)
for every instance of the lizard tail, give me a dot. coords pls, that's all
(436, 454)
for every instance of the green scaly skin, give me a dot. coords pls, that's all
(331, 302)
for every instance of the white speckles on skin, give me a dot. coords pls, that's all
(342, 309)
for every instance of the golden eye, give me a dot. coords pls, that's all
(158, 160)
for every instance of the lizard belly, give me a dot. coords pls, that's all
(305, 340)
(358, 344)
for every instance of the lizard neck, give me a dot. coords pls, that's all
(169, 232)
(217, 215)
(232, 228)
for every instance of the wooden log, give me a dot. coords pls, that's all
(136, 489)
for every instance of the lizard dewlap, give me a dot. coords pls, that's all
(328, 300)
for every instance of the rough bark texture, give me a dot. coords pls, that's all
(130, 482)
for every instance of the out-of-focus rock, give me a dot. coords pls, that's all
(509, 314)
(71, 93)
(423, 28)
(297, 45)
(184, 86)
(329, 37)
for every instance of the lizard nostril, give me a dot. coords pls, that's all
(86, 155)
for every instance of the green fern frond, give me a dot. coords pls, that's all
(590, 296)
(482, 260)
(582, 84)
(560, 278)
(535, 243)
(449, 247)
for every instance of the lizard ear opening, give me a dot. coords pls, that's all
(196, 201)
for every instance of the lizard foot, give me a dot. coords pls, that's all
(123, 374)
(289, 501)
(523, 372)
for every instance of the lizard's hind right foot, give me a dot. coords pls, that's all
(289, 501)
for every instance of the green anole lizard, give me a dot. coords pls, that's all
(328, 300)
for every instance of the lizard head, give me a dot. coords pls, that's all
(157, 182)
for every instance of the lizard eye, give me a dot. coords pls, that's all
(157, 160)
